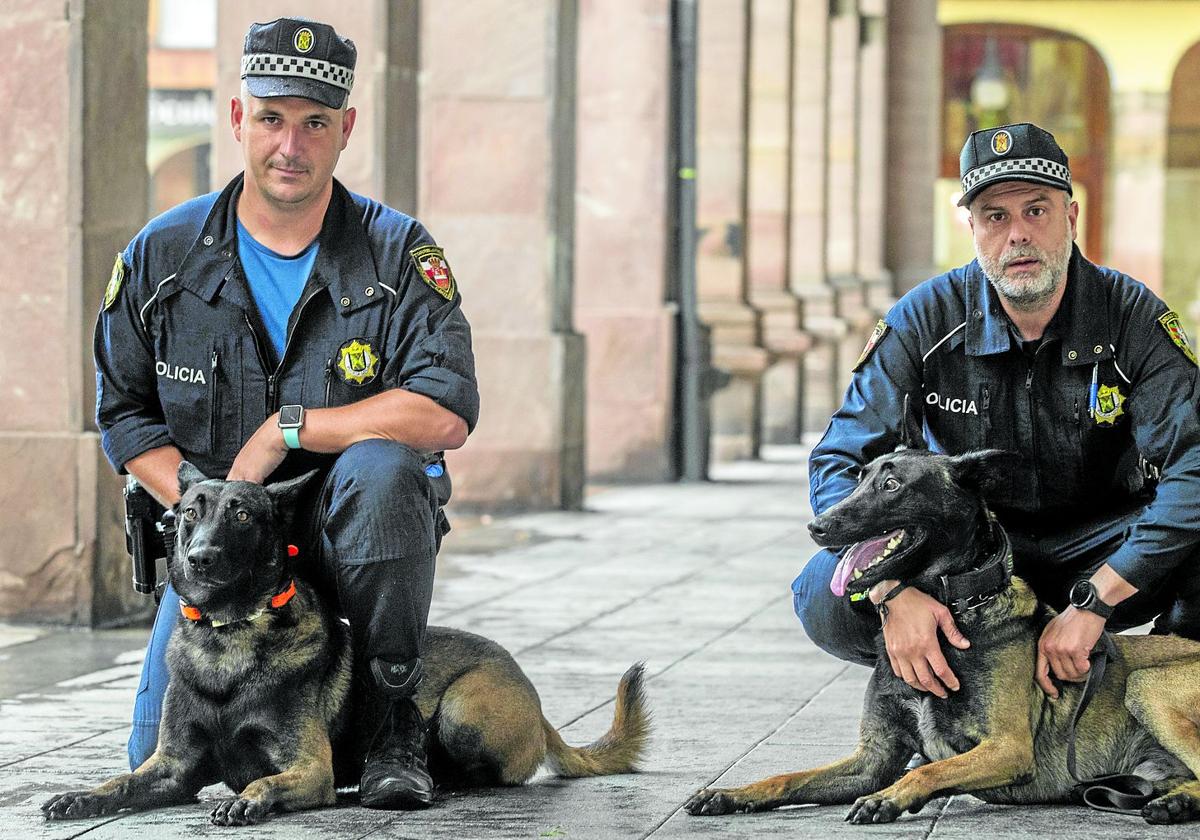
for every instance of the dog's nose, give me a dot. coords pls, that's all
(202, 557)
(818, 529)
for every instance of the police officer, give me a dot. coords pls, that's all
(283, 324)
(1033, 349)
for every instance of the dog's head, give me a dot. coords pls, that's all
(914, 515)
(230, 548)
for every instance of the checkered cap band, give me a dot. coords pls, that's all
(1047, 169)
(269, 64)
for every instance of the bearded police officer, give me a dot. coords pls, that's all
(285, 324)
(1033, 349)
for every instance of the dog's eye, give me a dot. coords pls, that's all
(892, 484)
(242, 516)
(190, 515)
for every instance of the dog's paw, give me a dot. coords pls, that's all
(873, 809)
(713, 802)
(238, 812)
(1172, 808)
(77, 805)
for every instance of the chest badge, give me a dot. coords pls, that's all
(357, 363)
(1109, 405)
(430, 261)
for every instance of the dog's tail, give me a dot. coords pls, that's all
(618, 750)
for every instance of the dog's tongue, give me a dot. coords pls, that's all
(858, 556)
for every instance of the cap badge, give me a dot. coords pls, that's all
(1001, 142)
(304, 40)
(356, 362)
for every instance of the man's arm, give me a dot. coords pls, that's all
(396, 414)
(157, 471)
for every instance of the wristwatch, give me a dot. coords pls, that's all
(1083, 596)
(291, 420)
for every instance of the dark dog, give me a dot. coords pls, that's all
(260, 695)
(919, 518)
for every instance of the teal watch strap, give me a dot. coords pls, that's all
(291, 438)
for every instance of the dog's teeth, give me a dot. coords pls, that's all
(894, 541)
(857, 574)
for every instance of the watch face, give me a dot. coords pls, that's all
(1081, 594)
(289, 415)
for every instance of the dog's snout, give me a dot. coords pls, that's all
(818, 529)
(202, 557)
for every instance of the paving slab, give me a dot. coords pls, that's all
(691, 579)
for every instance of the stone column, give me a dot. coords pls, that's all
(381, 159)
(497, 190)
(621, 228)
(913, 141)
(809, 243)
(768, 208)
(721, 218)
(73, 185)
(842, 187)
(1138, 166)
(872, 146)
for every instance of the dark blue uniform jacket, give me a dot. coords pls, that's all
(181, 356)
(1105, 410)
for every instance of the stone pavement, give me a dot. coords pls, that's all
(691, 578)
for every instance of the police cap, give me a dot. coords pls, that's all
(298, 57)
(1018, 152)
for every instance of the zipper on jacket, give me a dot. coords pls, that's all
(328, 379)
(262, 361)
(272, 396)
(986, 401)
(214, 414)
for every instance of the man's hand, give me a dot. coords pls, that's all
(911, 635)
(261, 455)
(1065, 646)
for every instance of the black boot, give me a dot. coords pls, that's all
(395, 776)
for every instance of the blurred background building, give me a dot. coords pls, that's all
(673, 222)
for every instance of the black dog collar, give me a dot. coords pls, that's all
(963, 593)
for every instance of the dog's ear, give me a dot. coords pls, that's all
(984, 471)
(188, 475)
(285, 493)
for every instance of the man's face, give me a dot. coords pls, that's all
(1023, 234)
(290, 146)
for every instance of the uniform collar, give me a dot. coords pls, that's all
(344, 263)
(1081, 321)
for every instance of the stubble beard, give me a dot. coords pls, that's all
(1028, 294)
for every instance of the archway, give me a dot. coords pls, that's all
(997, 73)
(1181, 246)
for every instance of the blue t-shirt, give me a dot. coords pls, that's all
(275, 282)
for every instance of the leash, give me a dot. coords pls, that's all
(1118, 793)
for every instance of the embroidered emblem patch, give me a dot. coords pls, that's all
(877, 335)
(1109, 406)
(304, 40)
(1175, 331)
(430, 261)
(1001, 142)
(114, 283)
(357, 363)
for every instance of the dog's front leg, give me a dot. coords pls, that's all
(995, 762)
(161, 780)
(307, 782)
(882, 751)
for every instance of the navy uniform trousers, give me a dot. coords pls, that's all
(368, 538)
(1049, 563)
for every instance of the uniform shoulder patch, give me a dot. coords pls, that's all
(115, 280)
(877, 335)
(431, 264)
(1175, 331)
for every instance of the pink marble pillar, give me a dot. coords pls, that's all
(768, 207)
(721, 220)
(621, 228)
(872, 146)
(914, 77)
(1138, 165)
(497, 169)
(73, 184)
(808, 225)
